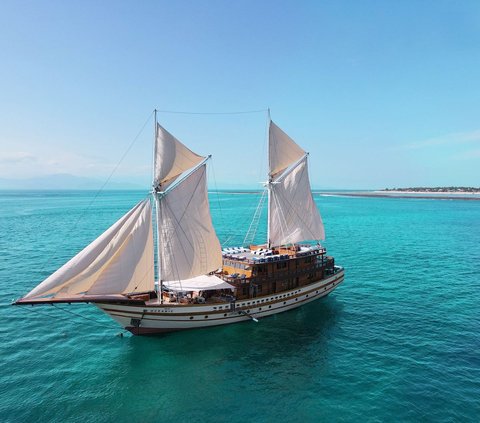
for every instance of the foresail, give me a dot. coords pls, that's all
(119, 261)
(294, 214)
(172, 158)
(282, 151)
(188, 241)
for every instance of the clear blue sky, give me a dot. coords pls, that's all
(380, 93)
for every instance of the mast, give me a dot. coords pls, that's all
(157, 216)
(269, 186)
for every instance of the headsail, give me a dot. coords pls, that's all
(293, 214)
(188, 242)
(119, 261)
(172, 158)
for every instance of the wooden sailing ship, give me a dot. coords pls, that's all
(197, 283)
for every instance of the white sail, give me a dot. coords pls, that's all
(172, 158)
(294, 215)
(119, 261)
(188, 242)
(282, 151)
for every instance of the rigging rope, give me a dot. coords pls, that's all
(32, 309)
(74, 226)
(212, 113)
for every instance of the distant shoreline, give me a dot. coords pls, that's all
(391, 191)
(403, 194)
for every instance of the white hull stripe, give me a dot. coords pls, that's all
(167, 321)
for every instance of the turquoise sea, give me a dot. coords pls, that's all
(398, 341)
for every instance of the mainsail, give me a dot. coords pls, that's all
(119, 261)
(293, 214)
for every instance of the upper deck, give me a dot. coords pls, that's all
(242, 262)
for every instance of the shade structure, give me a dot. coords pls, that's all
(119, 261)
(199, 283)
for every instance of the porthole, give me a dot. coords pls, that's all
(191, 317)
(269, 306)
(306, 296)
(296, 299)
(206, 317)
(225, 315)
(284, 302)
(259, 308)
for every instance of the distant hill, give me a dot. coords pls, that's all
(64, 181)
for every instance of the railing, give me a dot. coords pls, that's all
(277, 275)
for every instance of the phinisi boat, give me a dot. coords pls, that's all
(197, 283)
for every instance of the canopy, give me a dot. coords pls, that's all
(199, 283)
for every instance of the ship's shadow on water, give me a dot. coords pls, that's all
(211, 368)
(298, 333)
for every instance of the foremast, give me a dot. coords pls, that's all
(187, 245)
(158, 285)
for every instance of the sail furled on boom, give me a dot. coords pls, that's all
(171, 158)
(282, 151)
(119, 261)
(294, 216)
(188, 241)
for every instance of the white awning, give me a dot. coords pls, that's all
(198, 283)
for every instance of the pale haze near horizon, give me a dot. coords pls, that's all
(380, 94)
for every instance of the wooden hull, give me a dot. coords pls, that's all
(162, 318)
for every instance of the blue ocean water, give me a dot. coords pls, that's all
(398, 341)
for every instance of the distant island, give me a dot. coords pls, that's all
(433, 190)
